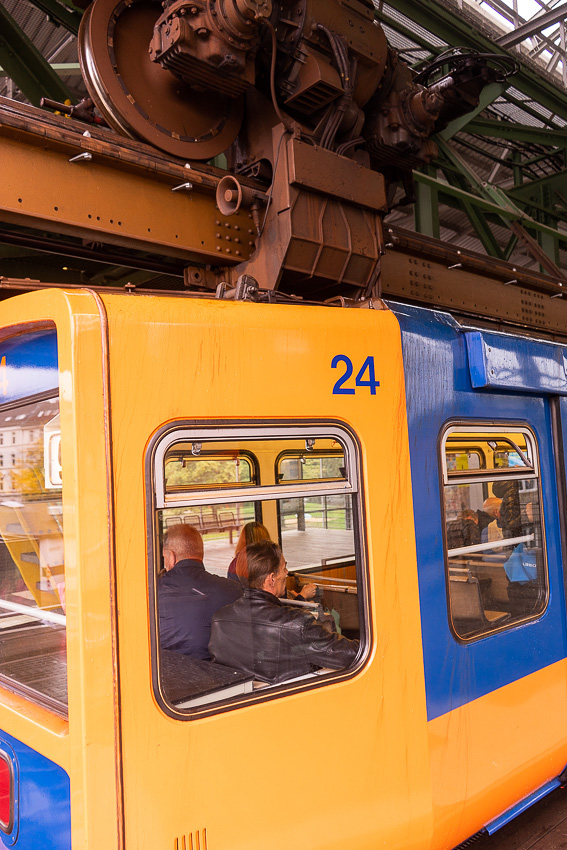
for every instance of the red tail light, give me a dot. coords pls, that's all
(6, 793)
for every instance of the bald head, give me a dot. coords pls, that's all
(180, 542)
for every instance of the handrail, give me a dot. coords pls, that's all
(493, 544)
(36, 613)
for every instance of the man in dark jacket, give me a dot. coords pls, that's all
(271, 641)
(188, 595)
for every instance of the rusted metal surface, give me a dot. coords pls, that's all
(197, 77)
(425, 271)
(320, 222)
(192, 40)
(140, 98)
(313, 243)
(320, 170)
(536, 250)
(123, 194)
(21, 121)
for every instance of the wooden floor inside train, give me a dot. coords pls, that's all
(542, 827)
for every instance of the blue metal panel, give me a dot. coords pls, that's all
(43, 819)
(502, 361)
(28, 365)
(438, 389)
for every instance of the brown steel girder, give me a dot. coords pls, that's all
(64, 177)
(432, 273)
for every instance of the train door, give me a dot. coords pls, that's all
(490, 565)
(57, 708)
(240, 424)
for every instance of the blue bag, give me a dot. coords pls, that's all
(521, 565)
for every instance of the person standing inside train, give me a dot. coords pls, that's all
(188, 595)
(267, 639)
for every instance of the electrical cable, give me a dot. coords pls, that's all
(283, 118)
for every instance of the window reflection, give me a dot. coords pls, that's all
(32, 573)
(188, 466)
(494, 538)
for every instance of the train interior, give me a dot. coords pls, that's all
(301, 490)
(493, 529)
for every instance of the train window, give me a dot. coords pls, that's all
(187, 466)
(32, 576)
(218, 524)
(315, 521)
(504, 453)
(323, 465)
(496, 567)
(465, 459)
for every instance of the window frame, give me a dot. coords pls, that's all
(156, 500)
(203, 455)
(473, 450)
(451, 476)
(288, 454)
(464, 477)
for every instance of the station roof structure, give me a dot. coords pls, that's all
(499, 183)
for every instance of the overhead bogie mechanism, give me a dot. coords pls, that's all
(317, 117)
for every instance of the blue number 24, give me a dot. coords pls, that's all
(360, 381)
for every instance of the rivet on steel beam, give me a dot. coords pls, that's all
(456, 266)
(508, 282)
(86, 156)
(183, 186)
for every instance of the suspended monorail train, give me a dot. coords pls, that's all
(361, 439)
(407, 458)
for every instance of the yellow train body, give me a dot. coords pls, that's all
(353, 761)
